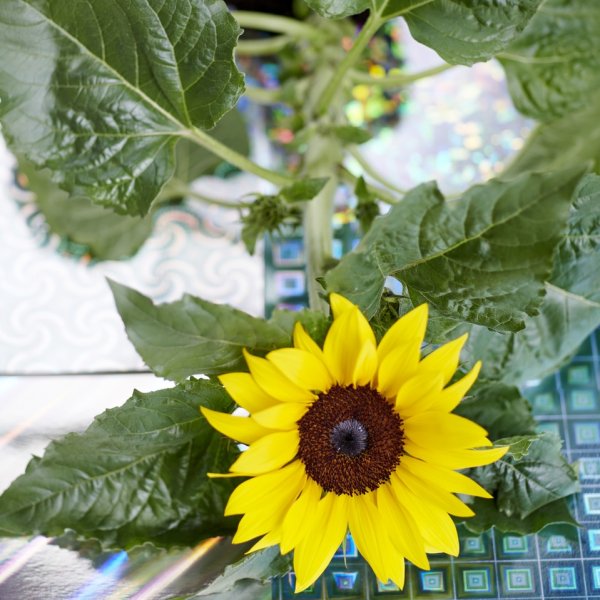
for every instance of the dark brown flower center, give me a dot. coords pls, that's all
(351, 440)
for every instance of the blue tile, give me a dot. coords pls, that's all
(349, 551)
(585, 433)
(591, 503)
(563, 578)
(584, 400)
(593, 537)
(589, 467)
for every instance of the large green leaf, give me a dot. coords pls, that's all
(531, 474)
(500, 409)
(553, 68)
(570, 141)
(137, 474)
(466, 31)
(336, 9)
(570, 310)
(482, 258)
(99, 91)
(193, 336)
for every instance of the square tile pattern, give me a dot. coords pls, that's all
(561, 563)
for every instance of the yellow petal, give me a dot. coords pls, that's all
(444, 478)
(441, 429)
(270, 539)
(397, 368)
(303, 341)
(444, 359)
(242, 429)
(418, 393)
(267, 454)
(452, 458)
(436, 526)
(253, 525)
(339, 304)
(403, 532)
(274, 382)
(366, 365)
(344, 342)
(302, 368)
(326, 529)
(408, 329)
(434, 494)
(284, 415)
(265, 489)
(243, 389)
(450, 397)
(294, 523)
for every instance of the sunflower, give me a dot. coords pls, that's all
(355, 436)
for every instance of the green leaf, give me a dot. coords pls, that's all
(303, 190)
(532, 474)
(487, 516)
(193, 336)
(553, 68)
(107, 236)
(337, 9)
(570, 310)
(465, 31)
(482, 258)
(314, 322)
(137, 474)
(367, 208)
(500, 409)
(256, 567)
(348, 134)
(569, 141)
(99, 91)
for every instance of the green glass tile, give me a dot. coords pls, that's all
(476, 581)
(583, 400)
(435, 583)
(579, 374)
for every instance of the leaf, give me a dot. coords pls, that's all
(498, 408)
(553, 68)
(337, 9)
(349, 134)
(137, 474)
(193, 336)
(570, 310)
(257, 567)
(532, 474)
(99, 91)
(465, 31)
(367, 208)
(106, 235)
(314, 322)
(569, 141)
(303, 190)
(482, 258)
(488, 516)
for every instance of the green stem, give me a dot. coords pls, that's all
(369, 29)
(263, 95)
(382, 194)
(368, 168)
(394, 81)
(176, 188)
(275, 24)
(262, 47)
(235, 158)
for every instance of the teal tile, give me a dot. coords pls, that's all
(514, 546)
(585, 433)
(583, 400)
(435, 583)
(476, 581)
(589, 467)
(520, 580)
(579, 374)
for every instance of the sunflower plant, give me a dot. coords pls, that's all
(389, 415)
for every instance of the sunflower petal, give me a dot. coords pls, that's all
(243, 389)
(453, 458)
(418, 393)
(267, 454)
(303, 341)
(242, 429)
(339, 304)
(366, 365)
(328, 524)
(408, 329)
(293, 527)
(274, 382)
(444, 478)
(450, 397)
(270, 539)
(428, 428)
(282, 416)
(399, 365)
(302, 368)
(444, 359)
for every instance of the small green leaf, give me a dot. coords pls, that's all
(500, 409)
(337, 9)
(99, 91)
(137, 474)
(193, 336)
(367, 208)
(348, 134)
(487, 516)
(465, 31)
(532, 474)
(303, 190)
(482, 258)
(553, 68)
